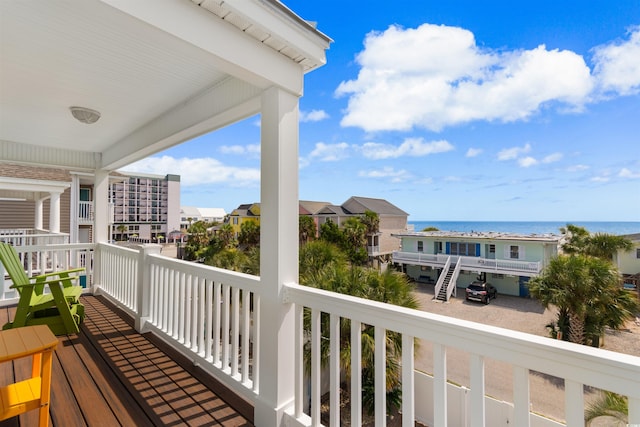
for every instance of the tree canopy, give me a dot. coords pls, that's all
(585, 286)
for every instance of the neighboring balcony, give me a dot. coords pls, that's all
(85, 213)
(498, 266)
(215, 319)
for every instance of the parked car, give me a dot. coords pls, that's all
(481, 291)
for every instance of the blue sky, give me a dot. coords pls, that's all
(453, 110)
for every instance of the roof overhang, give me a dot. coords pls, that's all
(160, 72)
(30, 189)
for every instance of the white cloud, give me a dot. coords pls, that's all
(577, 168)
(626, 173)
(473, 152)
(197, 171)
(552, 158)
(436, 76)
(617, 65)
(601, 178)
(526, 162)
(330, 152)
(412, 147)
(386, 172)
(313, 116)
(253, 149)
(513, 152)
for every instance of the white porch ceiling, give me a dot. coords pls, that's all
(158, 71)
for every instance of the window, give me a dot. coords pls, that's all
(514, 252)
(463, 248)
(492, 249)
(235, 220)
(638, 253)
(438, 247)
(420, 246)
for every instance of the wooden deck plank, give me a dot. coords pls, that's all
(109, 375)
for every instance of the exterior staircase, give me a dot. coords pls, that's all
(442, 294)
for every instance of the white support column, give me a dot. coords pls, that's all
(39, 214)
(74, 206)
(101, 205)
(143, 290)
(573, 403)
(521, 397)
(408, 381)
(634, 411)
(477, 408)
(54, 213)
(279, 253)
(439, 385)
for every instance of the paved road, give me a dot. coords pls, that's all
(522, 314)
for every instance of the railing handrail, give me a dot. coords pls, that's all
(599, 368)
(244, 281)
(451, 286)
(488, 264)
(441, 278)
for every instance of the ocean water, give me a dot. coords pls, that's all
(525, 227)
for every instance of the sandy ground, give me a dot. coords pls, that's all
(521, 314)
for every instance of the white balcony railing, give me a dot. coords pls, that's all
(85, 212)
(213, 316)
(32, 237)
(504, 266)
(46, 259)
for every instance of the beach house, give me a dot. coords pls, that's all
(94, 85)
(451, 260)
(628, 263)
(392, 219)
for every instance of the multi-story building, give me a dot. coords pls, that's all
(392, 220)
(380, 245)
(451, 259)
(61, 201)
(145, 206)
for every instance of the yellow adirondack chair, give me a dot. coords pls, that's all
(61, 309)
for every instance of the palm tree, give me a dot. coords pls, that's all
(371, 221)
(575, 239)
(334, 274)
(121, 229)
(249, 234)
(330, 232)
(600, 245)
(318, 256)
(587, 291)
(306, 228)
(355, 240)
(605, 246)
(608, 404)
(229, 259)
(225, 234)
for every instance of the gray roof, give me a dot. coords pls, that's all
(358, 205)
(313, 207)
(333, 210)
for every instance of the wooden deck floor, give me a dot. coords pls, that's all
(109, 375)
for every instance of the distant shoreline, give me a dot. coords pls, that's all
(530, 227)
